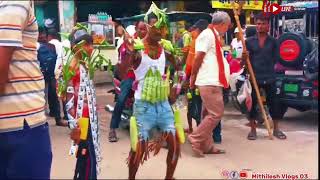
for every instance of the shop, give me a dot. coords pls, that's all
(246, 17)
(61, 12)
(45, 10)
(98, 18)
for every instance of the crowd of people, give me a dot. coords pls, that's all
(24, 86)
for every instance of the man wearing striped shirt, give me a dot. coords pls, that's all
(25, 148)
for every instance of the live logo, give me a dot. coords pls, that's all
(287, 8)
(276, 8)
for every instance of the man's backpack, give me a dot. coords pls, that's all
(47, 57)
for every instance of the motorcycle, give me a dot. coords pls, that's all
(128, 108)
(238, 81)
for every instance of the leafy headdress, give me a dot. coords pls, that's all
(162, 22)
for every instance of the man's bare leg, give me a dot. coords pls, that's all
(173, 152)
(134, 163)
(189, 123)
(253, 133)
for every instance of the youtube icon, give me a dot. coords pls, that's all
(243, 174)
(275, 8)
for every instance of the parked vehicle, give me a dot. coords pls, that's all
(297, 79)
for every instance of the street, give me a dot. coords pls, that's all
(296, 156)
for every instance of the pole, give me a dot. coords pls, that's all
(249, 67)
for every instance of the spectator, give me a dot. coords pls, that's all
(262, 49)
(210, 73)
(47, 56)
(127, 78)
(119, 35)
(197, 28)
(25, 145)
(236, 45)
(141, 30)
(185, 39)
(53, 38)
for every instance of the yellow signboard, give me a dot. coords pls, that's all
(252, 4)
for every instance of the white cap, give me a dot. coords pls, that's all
(236, 30)
(49, 23)
(131, 29)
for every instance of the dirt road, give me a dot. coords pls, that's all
(297, 156)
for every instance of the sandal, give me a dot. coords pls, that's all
(215, 151)
(252, 135)
(113, 136)
(279, 134)
(197, 153)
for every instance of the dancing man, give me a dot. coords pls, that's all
(152, 107)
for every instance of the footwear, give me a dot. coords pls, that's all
(279, 134)
(215, 151)
(62, 123)
(252, 135)
(109, 108)
(113, 136)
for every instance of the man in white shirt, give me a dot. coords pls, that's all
(54, 39)
(211, 74)
(236, 44)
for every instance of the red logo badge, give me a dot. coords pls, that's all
(243, 174)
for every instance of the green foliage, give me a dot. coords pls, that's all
(138, 44)
(161, 15)
(92, 62)
(95, 62)
(167, 45)
(109, 68)
(67, 74)
(80, 26)
(64, 35)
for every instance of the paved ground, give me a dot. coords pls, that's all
(295, 156)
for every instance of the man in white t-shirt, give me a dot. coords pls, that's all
(211, 74)
(236, 44)
(54, 39)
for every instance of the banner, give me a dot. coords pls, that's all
(227, 4)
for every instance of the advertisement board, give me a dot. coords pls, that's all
(227, 4)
